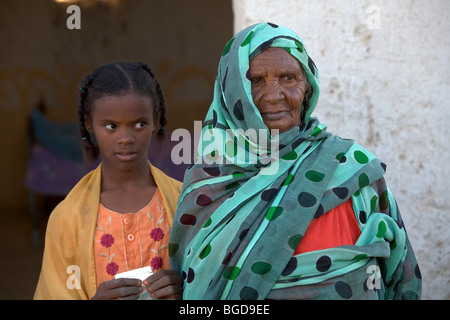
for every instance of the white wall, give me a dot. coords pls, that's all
(384, 72)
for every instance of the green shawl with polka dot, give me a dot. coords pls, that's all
(249, 198)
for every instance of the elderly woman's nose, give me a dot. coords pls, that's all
(273, 92)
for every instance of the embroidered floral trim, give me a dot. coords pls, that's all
(112, 268)
(156, 263)
(157, 234)
(107, 240)
(157, 230)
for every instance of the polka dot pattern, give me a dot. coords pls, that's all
(290, 156)
(341, 192)
(188, 219)
(269, 194)
(231, 149)
(290, 267)
(273, 213)
(294, 241)
(306, 199)
(248, 293)
(363, 180)
(320, 211)
(227, 210)
(323, 263)
(288, 180)
(261, 267)
(227, 48)
(190, 275)
(208, 223)
(212, 171)
(314, 176)
(231, 273)
(227, 258)
(247, 39)
(343, 289)
(360, 157)
(205, 252)
(238, 110)
(203, 200)
(381, 229)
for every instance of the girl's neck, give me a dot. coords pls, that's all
(126, 191)
(112, 178)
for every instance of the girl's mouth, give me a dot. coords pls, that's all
(126, 155)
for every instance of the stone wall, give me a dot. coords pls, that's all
(384, 70)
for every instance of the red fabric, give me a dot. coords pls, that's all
(335, 228)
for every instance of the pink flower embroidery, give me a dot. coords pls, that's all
(107, 240)
(156, 263)
(157, 234)
(112, 268)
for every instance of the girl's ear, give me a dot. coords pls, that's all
(88, 123)
(156, 124)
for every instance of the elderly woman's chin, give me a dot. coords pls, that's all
(281, 121)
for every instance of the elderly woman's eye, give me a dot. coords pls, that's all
(255, 80)
(289, 77)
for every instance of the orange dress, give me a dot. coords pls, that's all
(127, 241)
(335, 228)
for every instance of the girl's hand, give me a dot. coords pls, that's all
(124, 289)
(165, 284)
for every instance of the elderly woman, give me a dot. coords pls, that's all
(293, 212)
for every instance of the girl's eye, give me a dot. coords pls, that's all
(110, 126)
(140, 125)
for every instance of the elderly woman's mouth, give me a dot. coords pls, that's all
(273, 115)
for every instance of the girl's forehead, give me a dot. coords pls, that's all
(123, 105)
(123, 98)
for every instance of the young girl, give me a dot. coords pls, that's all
(119, 216)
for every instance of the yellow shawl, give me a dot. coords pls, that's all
(68, 266)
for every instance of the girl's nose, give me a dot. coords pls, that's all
(126, 137)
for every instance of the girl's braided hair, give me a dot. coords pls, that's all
(118, 79)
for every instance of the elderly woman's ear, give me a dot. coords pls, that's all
(305, 105)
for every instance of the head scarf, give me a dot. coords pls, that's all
(249, 198)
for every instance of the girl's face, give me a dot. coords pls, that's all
(123, 127)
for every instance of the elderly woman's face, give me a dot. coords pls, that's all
(278, 88)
